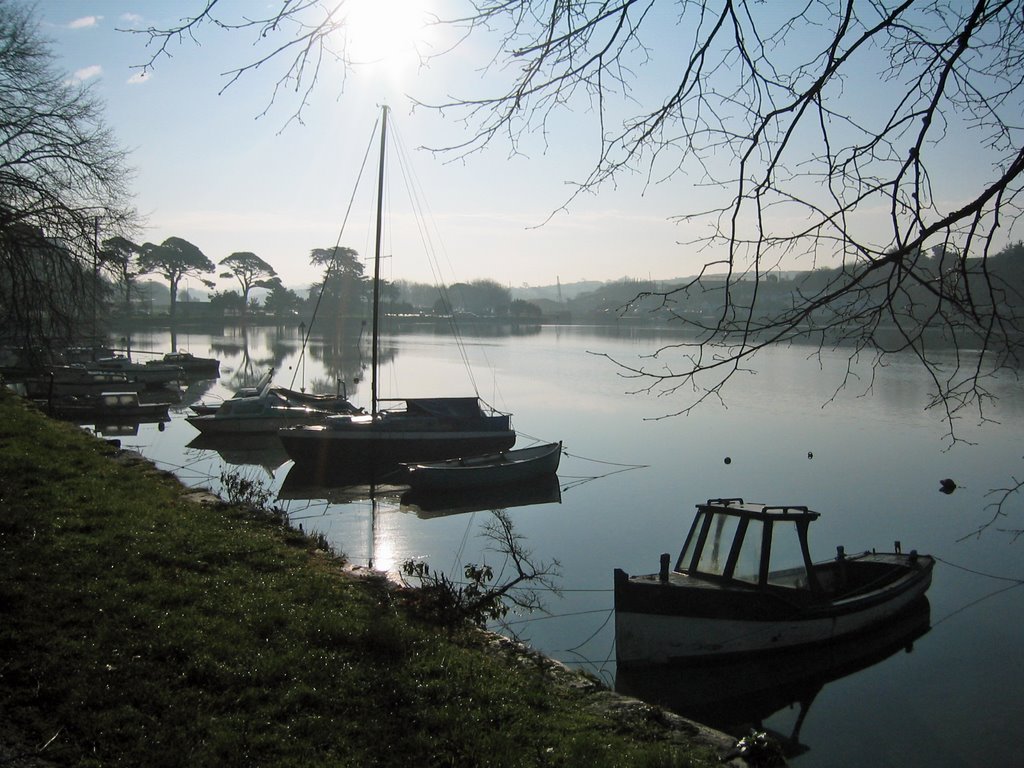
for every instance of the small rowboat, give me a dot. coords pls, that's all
(489, 469)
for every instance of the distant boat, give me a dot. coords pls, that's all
(492, 469)
(152, 374)
(745, 584)
(264, 413)
(192, 365)
(109, 407)
(78, 381)
(204, 409)
(424, 430)
(334, 403)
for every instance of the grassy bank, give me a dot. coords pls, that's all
(138, 627)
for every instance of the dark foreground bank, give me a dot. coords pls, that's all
(139, 626)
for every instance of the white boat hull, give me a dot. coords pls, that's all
(653, 639)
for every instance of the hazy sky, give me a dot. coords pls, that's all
(222, 171)
(212, 170)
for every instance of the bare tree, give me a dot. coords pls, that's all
(823, 136)
(62, 183)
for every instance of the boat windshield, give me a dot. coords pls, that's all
(731, 545)
(748, 564)
(715, 554)
(786, 566)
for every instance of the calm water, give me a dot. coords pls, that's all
(870, 464)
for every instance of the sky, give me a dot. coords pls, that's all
(212, 169)
(229, 170)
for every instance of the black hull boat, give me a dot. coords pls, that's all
(429, 429)
(194, 367)
(745, 584)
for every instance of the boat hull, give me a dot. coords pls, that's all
(676, 621)
(213, 424)
(321, 450)
(502, 468)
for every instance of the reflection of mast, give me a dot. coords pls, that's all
(373, 525)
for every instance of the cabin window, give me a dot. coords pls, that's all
(748, 564)
(718, 544)
(786, 566)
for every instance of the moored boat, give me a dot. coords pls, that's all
(153, 374)
(267, 412)
(76, 381)
(193, 366)
(426, 429)
(502, 468)
(113, 407)
(744, 583)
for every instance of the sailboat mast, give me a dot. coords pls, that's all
(376, 262)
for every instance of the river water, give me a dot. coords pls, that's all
(944, 690)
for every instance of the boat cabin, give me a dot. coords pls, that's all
(752, 544)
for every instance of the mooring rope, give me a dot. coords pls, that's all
(978, 573)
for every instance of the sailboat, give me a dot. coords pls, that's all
(414, 429)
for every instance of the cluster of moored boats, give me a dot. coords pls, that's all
(98, 386)
(447, 442)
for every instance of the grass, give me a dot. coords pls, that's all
(138, 627)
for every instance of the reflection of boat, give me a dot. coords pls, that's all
(489, 469)
(734, 696)
(744, 583)
(344, 485)
(437, 503)
(194, 366)
(108, 408)
(258, 450)
(264, 413)
(425, 430)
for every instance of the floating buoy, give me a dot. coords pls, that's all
(947, 486)
(728, 460)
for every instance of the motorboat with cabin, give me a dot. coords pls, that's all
(744, 583)
(267, 412)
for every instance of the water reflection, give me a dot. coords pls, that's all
(427, 504)
(346, 487)
(258, 450)
(737, 696)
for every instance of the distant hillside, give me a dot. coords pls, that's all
(551, 292)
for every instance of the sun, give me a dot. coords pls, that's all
(385, 32)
